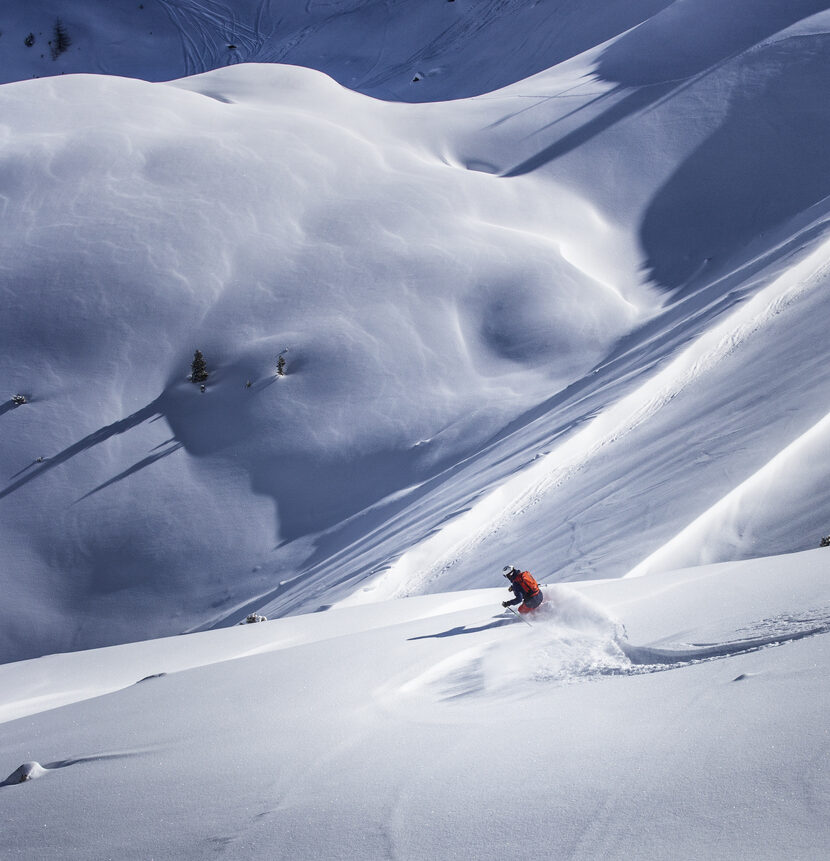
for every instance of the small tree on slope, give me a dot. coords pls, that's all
(198, 369)
(60, 39)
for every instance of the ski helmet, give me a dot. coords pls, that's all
(510, 571)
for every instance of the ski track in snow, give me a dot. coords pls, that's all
(415, 570)
(572, 640)
(766, 633)
(207, 30)
(393, 727)
(454, 38)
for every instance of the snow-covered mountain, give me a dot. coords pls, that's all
(549, 280)
(402, 50)
(577, 322)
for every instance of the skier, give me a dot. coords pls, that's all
(522, 584)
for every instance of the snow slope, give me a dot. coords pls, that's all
(366, 281)
(577, 323)
(559, 302)
(377, 47)
(437, 727)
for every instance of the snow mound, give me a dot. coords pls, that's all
(27, 771)
(33, 769)
(383, 269)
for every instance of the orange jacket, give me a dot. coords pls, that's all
(527, 583)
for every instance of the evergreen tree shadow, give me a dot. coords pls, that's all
(136, 467)
(155, 409)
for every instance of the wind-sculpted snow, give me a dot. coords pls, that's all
(749, 516)
(576, 324)
(791, 487)
(565, 321)
(188, 232)
(34, 770)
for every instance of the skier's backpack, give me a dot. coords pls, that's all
(527, 583)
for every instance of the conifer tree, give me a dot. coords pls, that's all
(281, 366)
(60, 39)
(198, 369)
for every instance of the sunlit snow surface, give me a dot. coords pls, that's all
(676, 715)
(550, 281)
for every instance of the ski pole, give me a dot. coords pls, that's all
(520, 616)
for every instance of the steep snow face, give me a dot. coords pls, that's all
(671, 436)
(522, 324)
